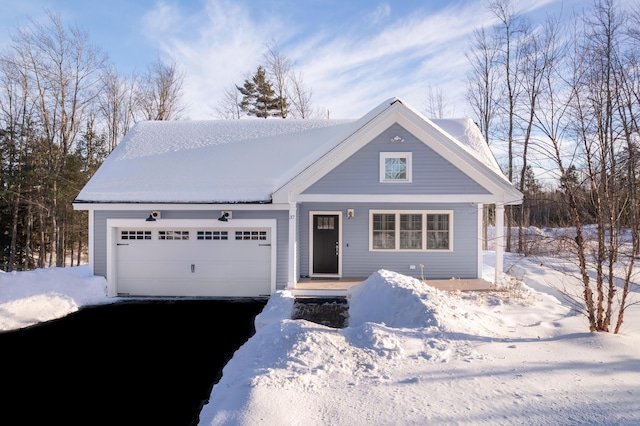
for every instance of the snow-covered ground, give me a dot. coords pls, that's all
(410, 355)
(28, 298)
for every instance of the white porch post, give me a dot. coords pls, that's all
(90, 249)
(499, 240)
(293, 248)
(480, 238)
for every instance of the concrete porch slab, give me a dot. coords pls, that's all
(332, 287)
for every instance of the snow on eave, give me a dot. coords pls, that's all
(215, 161)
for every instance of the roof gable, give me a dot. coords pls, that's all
(431, 173)
(466, 153)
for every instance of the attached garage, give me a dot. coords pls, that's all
(198, 258)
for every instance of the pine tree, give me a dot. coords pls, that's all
(259, 98)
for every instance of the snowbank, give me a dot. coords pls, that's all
(416, 355)
(28, 298)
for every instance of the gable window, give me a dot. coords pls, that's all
(395, 167)
(410, 230)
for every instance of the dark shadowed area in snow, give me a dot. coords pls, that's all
(130, 363)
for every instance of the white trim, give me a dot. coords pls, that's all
(114, 224)
(480, 237)
(499, 242)
(383, 169)
(424, 214)
(322, 212)
(91, 250)
(179, 206)
(292, 261)
(398, 198)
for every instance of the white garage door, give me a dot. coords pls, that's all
(173, 261)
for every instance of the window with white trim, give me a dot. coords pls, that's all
(437, 232)
(410, 230)
(395, 167)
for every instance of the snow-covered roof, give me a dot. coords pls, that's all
(232, 161)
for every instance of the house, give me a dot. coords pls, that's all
(241, 208)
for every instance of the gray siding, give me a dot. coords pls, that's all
(358, 261)
(100, 232)
(360, 173)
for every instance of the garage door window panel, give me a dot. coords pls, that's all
(212, 235)
(173, 235)
(251, 235)
(135, 235)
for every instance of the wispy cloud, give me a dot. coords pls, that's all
(379, 14)
(350, 72)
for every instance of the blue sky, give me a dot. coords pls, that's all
(354, 54)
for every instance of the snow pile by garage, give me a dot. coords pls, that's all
(31, 297)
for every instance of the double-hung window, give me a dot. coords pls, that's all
(410, 230)
(395, 167)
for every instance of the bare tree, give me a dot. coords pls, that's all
(509, 32)
(64, 72)
(116, 105)
(300, 97)
(229, 105)
(539, 54)
(482, 81)
(278, 69)
(277, 85)
(436, 103)
(159, 93)
(482, 95)
(591, 125)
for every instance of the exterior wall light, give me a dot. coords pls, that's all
(351, 213)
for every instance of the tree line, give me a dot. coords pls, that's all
(63, 108)
(564, 96)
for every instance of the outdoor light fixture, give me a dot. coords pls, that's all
(224, 217)
(150, 218)
(350, 213)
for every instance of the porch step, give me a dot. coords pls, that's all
(331, 312)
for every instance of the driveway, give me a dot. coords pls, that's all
(130, 363)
